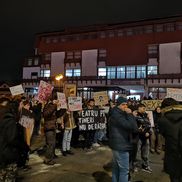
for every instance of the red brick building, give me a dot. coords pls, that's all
(142, 57)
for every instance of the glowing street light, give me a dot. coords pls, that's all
(59, 77)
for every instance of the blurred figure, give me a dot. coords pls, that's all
(68, 124)
(144, 135)
(121, 125)
(50, 114)
(156, 138)
(9, 142)
(170, 126)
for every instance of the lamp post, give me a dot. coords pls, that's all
(58, 78)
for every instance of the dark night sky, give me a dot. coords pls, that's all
(21, 20)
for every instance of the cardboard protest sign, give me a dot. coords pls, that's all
(75, 103)
(151, 105)
(174, 93)
(44, 91)
(92, 119)
(62, 99)
(69, 90)
(16, 90)
(101, 98)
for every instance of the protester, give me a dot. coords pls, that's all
(89, 134)
(51, 114)
(68, 123)
(121, 125)
(9, 141)
(170, 126)
(25, 130)
(156, 138)
(144, 135)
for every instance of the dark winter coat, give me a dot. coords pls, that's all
(144, 125)
(50, 115)
(170, 126)
(9, 141)
(121, 127)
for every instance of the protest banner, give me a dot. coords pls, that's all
(174, 93)
(62, 99)
(101, 98)
(69, 90)
(16, 90)
(75, 103)
(151, 104)
(92, 119)
(44, 91)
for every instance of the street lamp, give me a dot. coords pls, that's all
(58, 78)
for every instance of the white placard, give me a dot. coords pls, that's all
(16, 90)
(75, 103)
(151, 118)
(174, 93)
(62, 99)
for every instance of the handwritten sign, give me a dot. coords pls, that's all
(44, 91)
(69, 90)
(75, 103)
(92, 119)
(62, 99)
(151, 105)
(16, 90)
(174, 93)
(101, 98)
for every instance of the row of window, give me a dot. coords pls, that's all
(119, 72)
(168, 27)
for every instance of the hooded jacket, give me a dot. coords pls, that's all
(121, 127)
(170, 125)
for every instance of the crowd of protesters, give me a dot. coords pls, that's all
(128, 132)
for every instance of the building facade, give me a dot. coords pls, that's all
(142, 57)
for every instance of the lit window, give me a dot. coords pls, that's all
(73, 72)
(152, 70)
(45, 73)
(121, 72)
(111, 72)
(29, 62)
(69, 73)
(76, 72)
(130, 72)
(141, 71)
(36, 61)
(102, 72)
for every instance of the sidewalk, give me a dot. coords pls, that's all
(84, 167)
